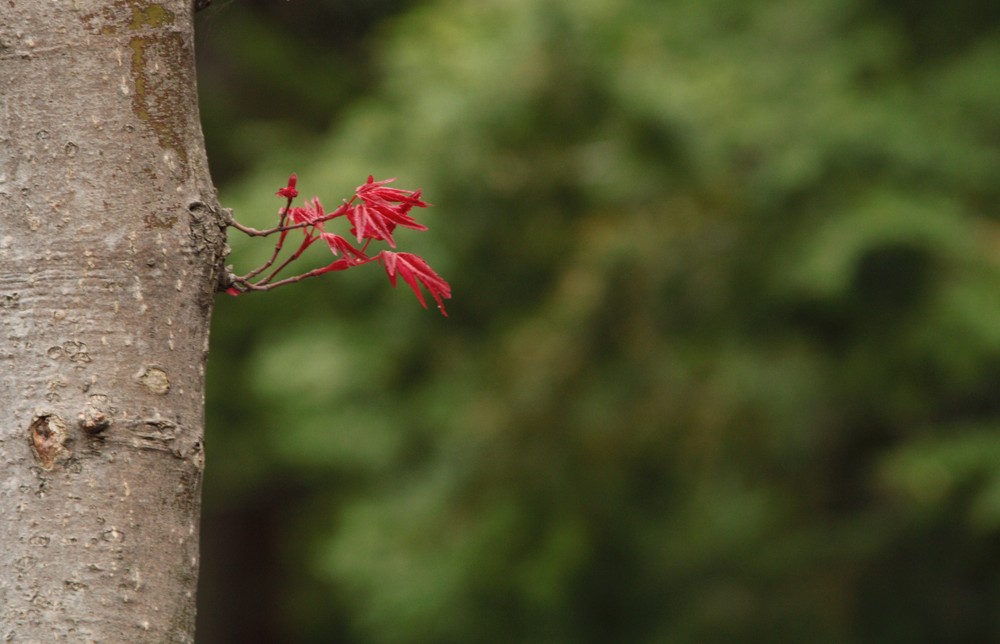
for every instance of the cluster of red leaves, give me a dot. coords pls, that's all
(374, 212)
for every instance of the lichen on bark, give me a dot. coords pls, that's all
(159, 58)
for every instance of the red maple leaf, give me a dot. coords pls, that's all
(416, 272)
(340, 246)
(289, 191)
(382, 209)
(311, 213)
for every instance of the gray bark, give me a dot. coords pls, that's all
(110, 245)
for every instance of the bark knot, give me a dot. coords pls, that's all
(48, 440)
(93, 421)
(155, 380)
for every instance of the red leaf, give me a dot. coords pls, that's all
(289, 191)
(382, 209)
(373, 190)
(340, 246)
(415, 272)
(369, 223)
(339, 265)
(311, 213)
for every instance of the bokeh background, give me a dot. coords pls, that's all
(723, 358)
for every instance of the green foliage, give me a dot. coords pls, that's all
(724, 351)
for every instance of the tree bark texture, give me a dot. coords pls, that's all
(110, 246)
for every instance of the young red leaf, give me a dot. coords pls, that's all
(373, 190)
(340, 246)
(338, 265)
(368, 223)
(289, 191)
(416, 272)
(382, 209)
(311, 213)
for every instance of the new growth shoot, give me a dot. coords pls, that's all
(373, 212)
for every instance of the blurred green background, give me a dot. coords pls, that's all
(723, 358)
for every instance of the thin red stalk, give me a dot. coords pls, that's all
(283, 229)
(306, 243)
(277, 247)
(263, 285)
(254, 232)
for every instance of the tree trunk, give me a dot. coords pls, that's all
(110, 245)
